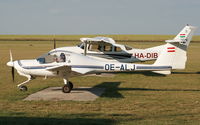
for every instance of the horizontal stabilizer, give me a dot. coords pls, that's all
(183, 41)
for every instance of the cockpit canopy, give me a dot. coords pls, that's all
(51, 57)
(104, 47)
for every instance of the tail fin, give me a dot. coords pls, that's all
(180, 42)
(184, 37)
(174, 53)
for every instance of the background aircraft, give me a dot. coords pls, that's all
(105, 48)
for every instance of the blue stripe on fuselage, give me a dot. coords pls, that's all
(153, 67)
(73, 66)
(86, 66)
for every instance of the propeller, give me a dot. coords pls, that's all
(11, 64)
(11, 58)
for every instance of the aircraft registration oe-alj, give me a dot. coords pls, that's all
(66, 64)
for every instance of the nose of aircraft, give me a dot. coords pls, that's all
(10, 63)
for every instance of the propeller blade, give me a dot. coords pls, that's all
(13, 74)
(11, 64)
(11, 58)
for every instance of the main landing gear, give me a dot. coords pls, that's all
(67, 87)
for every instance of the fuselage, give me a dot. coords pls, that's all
(79, 65)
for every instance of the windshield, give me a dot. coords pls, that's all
(52, 57)
(81, 45)
(46, 58)
(128, 47)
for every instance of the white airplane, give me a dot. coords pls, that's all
(66, 64)
(105, 48)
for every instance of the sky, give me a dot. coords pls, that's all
(67, 17)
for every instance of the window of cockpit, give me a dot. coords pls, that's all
(94, 47)
(46, 58)
(128, 48)
(117, 49)
(50, 58)
(41, 60)
(81, 45)
(108, 48)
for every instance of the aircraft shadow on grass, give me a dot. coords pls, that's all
(186, 72)
(146, 73)
(149, 73)
(112, 89)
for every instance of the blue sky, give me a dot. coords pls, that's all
(98, 16)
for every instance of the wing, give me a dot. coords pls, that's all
(69, 71)
(60, 68)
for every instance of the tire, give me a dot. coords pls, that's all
(23, 88)
(71, 84)
(66, 88)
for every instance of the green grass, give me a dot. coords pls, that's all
(130, 98)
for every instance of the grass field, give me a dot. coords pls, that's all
(131, 98)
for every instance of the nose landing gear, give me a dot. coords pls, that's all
(23, 88)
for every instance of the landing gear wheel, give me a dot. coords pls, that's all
(71, 84)
(23, 88)
(66, 88)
